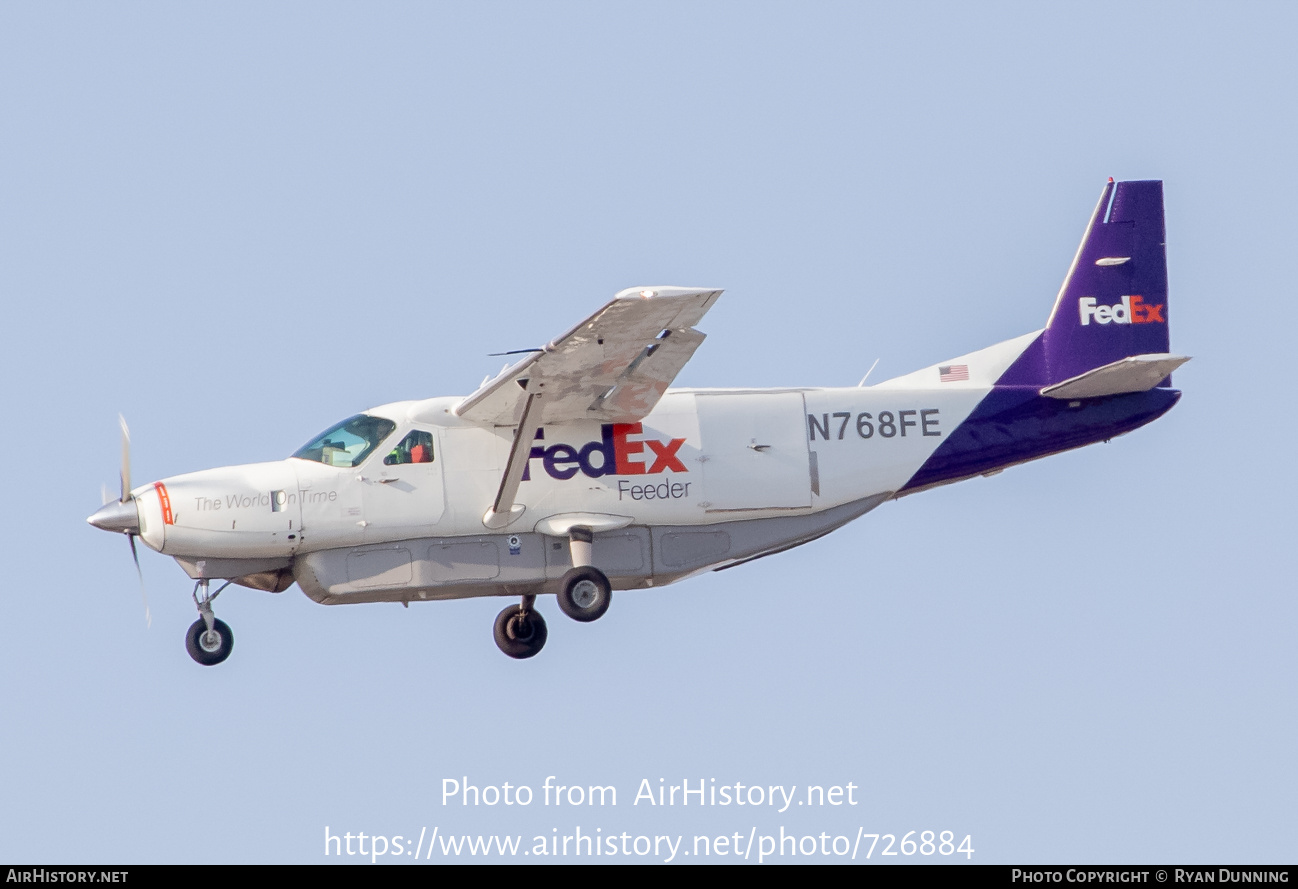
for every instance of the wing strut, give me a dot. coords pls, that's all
(504, 510)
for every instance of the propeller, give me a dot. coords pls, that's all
(122, 515)
(135, 554)
(126, 461)
(126, 497)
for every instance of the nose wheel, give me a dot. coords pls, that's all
(520, 629)
(209, 647)
(209, 641)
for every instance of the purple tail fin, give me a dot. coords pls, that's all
(1114, 300)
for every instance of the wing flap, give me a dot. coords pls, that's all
(614, 366)
(646, 378)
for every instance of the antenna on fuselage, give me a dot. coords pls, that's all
(867, 373)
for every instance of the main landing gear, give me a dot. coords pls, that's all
(208, 641)
(584, 595)
(520, 630)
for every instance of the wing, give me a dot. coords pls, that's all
(612, 367)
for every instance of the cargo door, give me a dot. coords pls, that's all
(755, 452)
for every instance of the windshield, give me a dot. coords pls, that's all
(348, 443)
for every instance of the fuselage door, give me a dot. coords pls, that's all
(403, 491)
(754, 450)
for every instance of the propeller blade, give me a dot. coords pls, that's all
(104, 496)
(148, 618)
(126, 466)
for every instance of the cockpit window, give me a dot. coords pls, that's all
(417, 447)
(348, 443)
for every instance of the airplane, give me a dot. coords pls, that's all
(576, 471)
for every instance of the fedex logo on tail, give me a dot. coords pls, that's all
(615, 453)
(1129, 310)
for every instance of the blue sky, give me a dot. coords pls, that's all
(238, 223)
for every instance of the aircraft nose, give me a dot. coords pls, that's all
(117, 516)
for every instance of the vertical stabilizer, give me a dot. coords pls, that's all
(1113, 303)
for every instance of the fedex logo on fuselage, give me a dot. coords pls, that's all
(1128, 310)
(615, 453)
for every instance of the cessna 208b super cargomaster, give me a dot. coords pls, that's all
(576, 471)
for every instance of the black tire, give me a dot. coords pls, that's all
(209, 652)
(520, 634)
(585, 594)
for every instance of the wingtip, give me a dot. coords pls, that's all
(663, 290)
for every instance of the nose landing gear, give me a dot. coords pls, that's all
(209, 641)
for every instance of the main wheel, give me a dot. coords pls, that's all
(209, 649)
(585, 594)
(520, 634)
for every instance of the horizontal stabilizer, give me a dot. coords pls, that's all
(1138, 373)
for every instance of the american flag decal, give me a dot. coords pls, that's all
(953, 373)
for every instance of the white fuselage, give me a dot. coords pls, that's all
(701, 457)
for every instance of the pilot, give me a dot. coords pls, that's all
(421, 453)
(398, 456)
